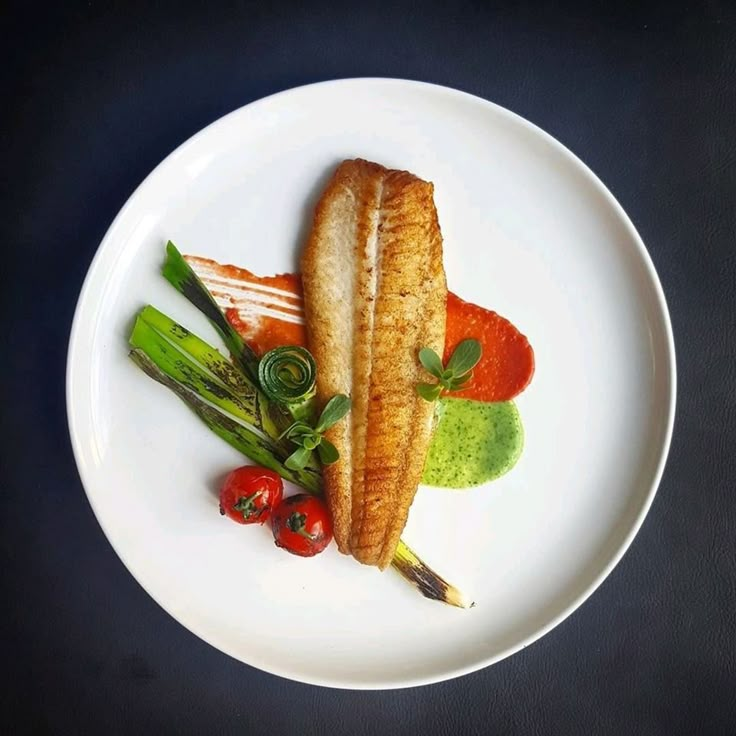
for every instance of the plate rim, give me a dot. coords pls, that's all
(391, 682)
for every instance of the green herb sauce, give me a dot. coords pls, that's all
(474, 442)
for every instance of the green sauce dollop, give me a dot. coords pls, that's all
(474, 442)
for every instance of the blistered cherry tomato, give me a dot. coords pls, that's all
(249, 494)
(301, 524)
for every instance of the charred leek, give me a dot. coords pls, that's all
(181, 276)
(251, 443)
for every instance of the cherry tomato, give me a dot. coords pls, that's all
(301, 524)
(249, 494)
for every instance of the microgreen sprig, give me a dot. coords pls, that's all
(453, 376)
(310, 438)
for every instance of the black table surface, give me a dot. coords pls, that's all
(96, 94)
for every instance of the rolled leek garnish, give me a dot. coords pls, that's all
(287, 376)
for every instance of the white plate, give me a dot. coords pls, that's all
(530, 232)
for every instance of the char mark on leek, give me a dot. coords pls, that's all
(199, 350)
(191, 362)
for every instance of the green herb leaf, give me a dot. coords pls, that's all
(457, 383)
(310, 438)
(337, 407)
(298, 459)
(328, 453)
(297, 429)
(311, 441)
(464, 359)
(431, 361)
(453, 376)
(429, 391)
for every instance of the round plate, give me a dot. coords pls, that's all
(530, 232)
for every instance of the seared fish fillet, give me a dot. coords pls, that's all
(374, 295)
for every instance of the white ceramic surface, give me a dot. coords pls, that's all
(530, 232)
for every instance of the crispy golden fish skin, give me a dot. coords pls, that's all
(342, 220)
(375, 294)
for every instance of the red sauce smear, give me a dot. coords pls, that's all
(505, 369)
(273, 333)
(507, 362)
(241, 303)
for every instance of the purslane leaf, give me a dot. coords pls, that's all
(461, 381)
(431, 361)
(297, 429)
(457, 372)
(310, 438)
(298, 459)
(311, 441)
(337, 407)
(429, 391)
(328, 453)
(465, 357)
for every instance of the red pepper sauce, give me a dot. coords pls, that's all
(267, 311)
(507, 362)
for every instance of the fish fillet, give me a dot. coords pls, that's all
(374, 294)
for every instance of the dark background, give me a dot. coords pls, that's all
(94, 95)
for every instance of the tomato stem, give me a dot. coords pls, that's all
(247, 506)
(296, 523)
